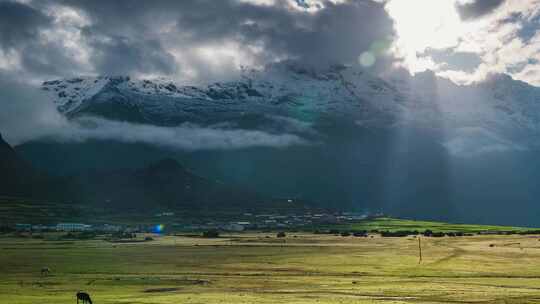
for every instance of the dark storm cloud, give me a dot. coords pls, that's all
(48, 59)
(125, 56)
(163, 37)
(337, 33)
(477, 8)
(21, 35)
(19, 23)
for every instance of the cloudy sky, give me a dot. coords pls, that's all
(202, 41)
(207, 40)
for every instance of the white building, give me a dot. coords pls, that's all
(233, 227)
(72, 227)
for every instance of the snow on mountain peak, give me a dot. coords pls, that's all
(307, 93)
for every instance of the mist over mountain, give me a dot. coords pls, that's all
(416, 146)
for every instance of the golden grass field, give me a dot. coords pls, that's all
(251, 268)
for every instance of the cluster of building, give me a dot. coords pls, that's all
(251, 221)
(242, 222)
(69, 227)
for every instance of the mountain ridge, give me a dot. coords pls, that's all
(500, 105)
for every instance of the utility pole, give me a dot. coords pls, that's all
(419, 250)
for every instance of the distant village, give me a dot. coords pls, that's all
(168, 221)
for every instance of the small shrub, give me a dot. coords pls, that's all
(85, 235)
(399, 233)
(529, 232)
(212, 233)
(360, 234)
(123, 235)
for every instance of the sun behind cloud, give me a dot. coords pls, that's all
(422, 25)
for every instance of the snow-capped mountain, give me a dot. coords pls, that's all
(286, 90)
(504, 108)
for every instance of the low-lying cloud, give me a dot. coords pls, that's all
(25, 112)
(469, 142)
(27, 115)
(186, 136)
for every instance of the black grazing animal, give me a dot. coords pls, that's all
(84, 297)
(45, 271)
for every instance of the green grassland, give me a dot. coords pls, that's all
(17, 210)
(393, 224)
(260, 268)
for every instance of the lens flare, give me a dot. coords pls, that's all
(366, 59)
(159, 228)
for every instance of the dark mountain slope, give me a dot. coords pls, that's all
(163, 184)
(16, 175)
